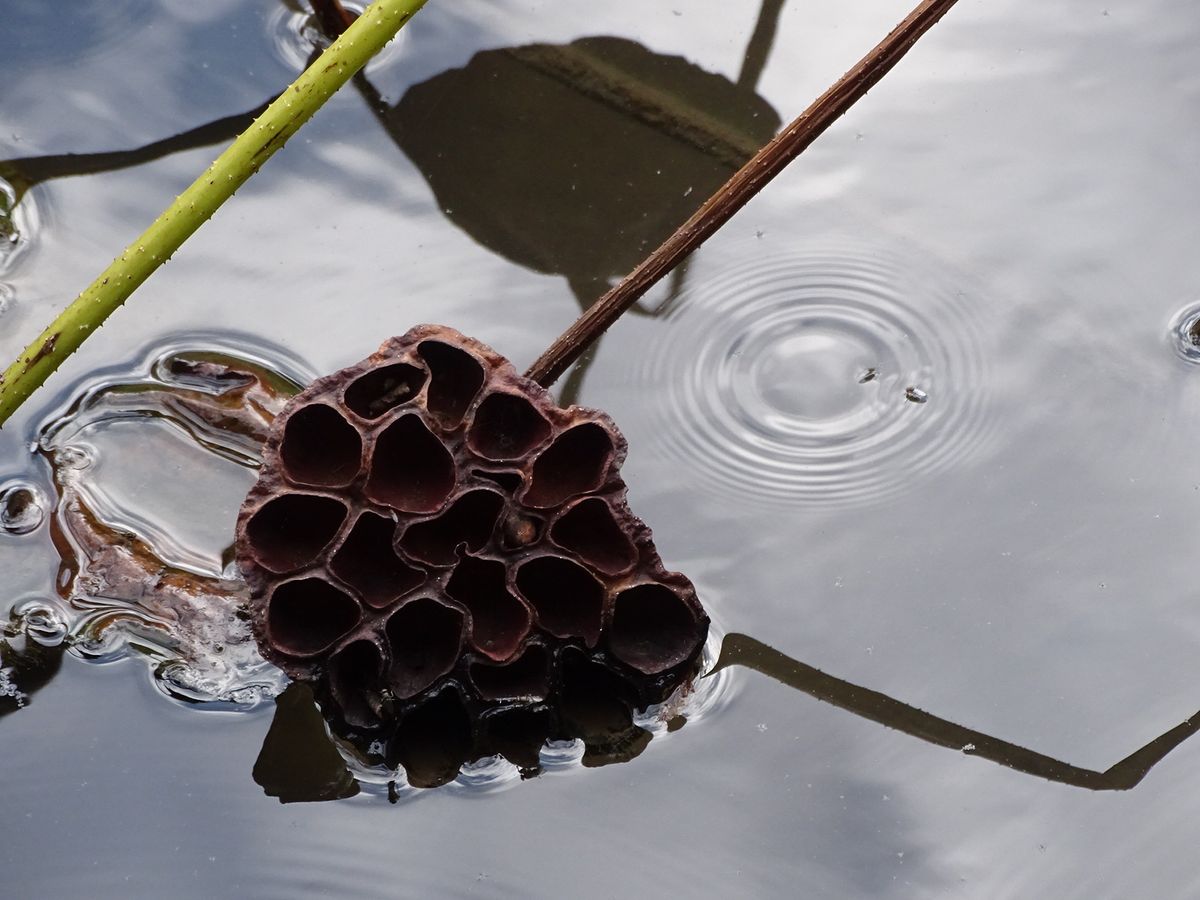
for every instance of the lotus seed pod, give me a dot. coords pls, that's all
(448, 557)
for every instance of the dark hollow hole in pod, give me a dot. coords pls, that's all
(597, 707)
(368, 562)
(470, 520)
(410, 469)
(455, 377)
(379, 390)
(525, 678)
(590, 531)
(574, 464)
(434, 740)
(652, 628)
(425, 638)
(506, 426)
(355, 680)
(567, 599)
(292, 530)
(306, 616)
(518, 734)
(499, 621)
(320, 447)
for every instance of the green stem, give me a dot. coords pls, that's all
(270, 131)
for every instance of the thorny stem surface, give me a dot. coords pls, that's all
(737, 191)
(349, 53)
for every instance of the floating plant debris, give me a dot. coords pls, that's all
(446, 555)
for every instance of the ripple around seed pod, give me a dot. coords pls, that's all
(792, 379)
(1184, 332)
(19, 224)
(22, 508)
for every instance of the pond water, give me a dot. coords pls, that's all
(923, 417)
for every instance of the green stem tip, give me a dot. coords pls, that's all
(270, 131)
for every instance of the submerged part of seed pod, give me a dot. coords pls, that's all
(448, 557)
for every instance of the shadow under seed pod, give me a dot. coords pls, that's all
(469, 521)
(525, 678)
(292, 530)
(320, 448)
(309, 615)
(518, 733)
(410, 469)
(367, 562)
(574, 464)
(434, 740)
(590, 532)
(383, 389)
(425, 638)
(499, 621)
(455, 379)
(597, 707)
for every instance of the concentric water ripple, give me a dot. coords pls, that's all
(20, 221)
(1184, 332)
(295, 36)
(839, 375)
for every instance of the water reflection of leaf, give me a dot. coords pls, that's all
(573, 160)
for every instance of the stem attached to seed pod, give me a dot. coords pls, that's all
(737, 191)
(270, 131)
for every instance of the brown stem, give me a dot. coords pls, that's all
(737, 191)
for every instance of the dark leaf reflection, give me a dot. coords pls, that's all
(504, 143)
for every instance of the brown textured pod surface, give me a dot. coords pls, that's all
(433, 542)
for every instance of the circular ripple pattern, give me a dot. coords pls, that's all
(827, 377)
(20, 221)
(1185, 332)
(296, 36)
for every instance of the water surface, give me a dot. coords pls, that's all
(1006, 224)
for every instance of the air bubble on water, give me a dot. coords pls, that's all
(42, 621)
(22, 508)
